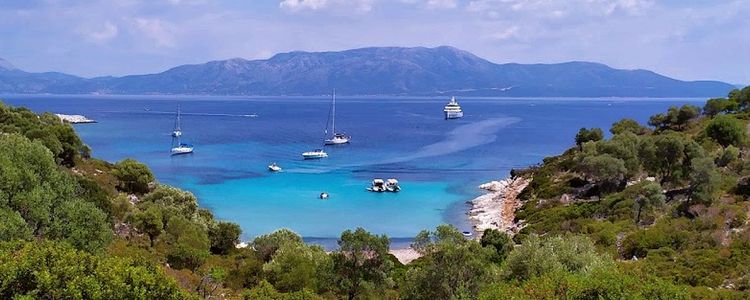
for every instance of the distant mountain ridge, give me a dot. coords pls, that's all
(372, 71)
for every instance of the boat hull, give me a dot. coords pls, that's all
(453, 115)
(315, 155)
(181, 151)
(336, 141)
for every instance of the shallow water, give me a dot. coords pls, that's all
(438, 162)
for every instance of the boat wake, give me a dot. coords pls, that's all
(459, 139)
(462, 138)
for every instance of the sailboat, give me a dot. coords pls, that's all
(337, 138)
(177, 146)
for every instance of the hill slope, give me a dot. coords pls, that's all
(375, 71)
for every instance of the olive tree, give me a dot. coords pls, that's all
(727, 130)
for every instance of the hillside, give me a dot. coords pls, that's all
(670, 199)
(374, 71)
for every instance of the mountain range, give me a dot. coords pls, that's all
(372, 71)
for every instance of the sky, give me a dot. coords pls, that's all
(684, 39)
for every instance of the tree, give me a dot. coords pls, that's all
(452, 266)
(604, 170)
(166, 196)
(149, 221)
(588, 135)
(82, 225)
(676, 117)
(624, 146)
(704, 181)
(499, 241)
(134, 176)
(627, 125)
(658, 121)
(741, 97)
(189, 245)
(268, 244)
(715, 106)
(729, 155)
(224, 237)
(296, 267)
(54, 270)
(538, 256)
(682, 116)
(429, 241)
(663, 155)
(361, 264)
(13, 226)
(266, 291)
(648, 196)
(727, 130)
(30, 181)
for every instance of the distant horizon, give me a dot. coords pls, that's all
(369, 47)
(688, 40)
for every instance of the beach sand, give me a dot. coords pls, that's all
(405, 256)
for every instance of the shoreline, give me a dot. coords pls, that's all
(496, 208)
(75, 119)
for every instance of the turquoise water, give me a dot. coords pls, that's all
(438, 162)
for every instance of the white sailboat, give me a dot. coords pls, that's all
(337, 138)
(177, 146)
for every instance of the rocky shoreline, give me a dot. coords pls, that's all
(75, 119)
(496, 209)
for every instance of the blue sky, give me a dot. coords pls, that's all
(685, 39)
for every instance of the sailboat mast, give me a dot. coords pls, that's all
(177, 125)
(333, 120)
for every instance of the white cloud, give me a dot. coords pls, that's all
(158, 31)
(359, 6)
(508, 33)
(107, 32)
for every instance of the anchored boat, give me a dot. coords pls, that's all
(337, 138)
(274, 168)
(179, 147)
(391, 185)
(452, 110)
(315, 154)
(378, 185)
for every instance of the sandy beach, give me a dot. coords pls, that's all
(496, 209)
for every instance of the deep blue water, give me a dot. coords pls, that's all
(438, 162)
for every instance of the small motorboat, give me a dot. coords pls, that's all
(378, 185)
(391, 185)
(315, 154)
(274, 167)
(323, 195)
(467, 233)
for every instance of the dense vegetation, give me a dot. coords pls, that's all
(655, 212)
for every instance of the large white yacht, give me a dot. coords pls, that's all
(453, 110)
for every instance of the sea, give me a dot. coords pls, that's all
(439, 163)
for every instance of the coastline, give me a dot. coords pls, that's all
(75, 119)
(496, 208)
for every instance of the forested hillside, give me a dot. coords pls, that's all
(657, 212)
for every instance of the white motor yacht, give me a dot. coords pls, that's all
(315, 154)
(452, 110)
